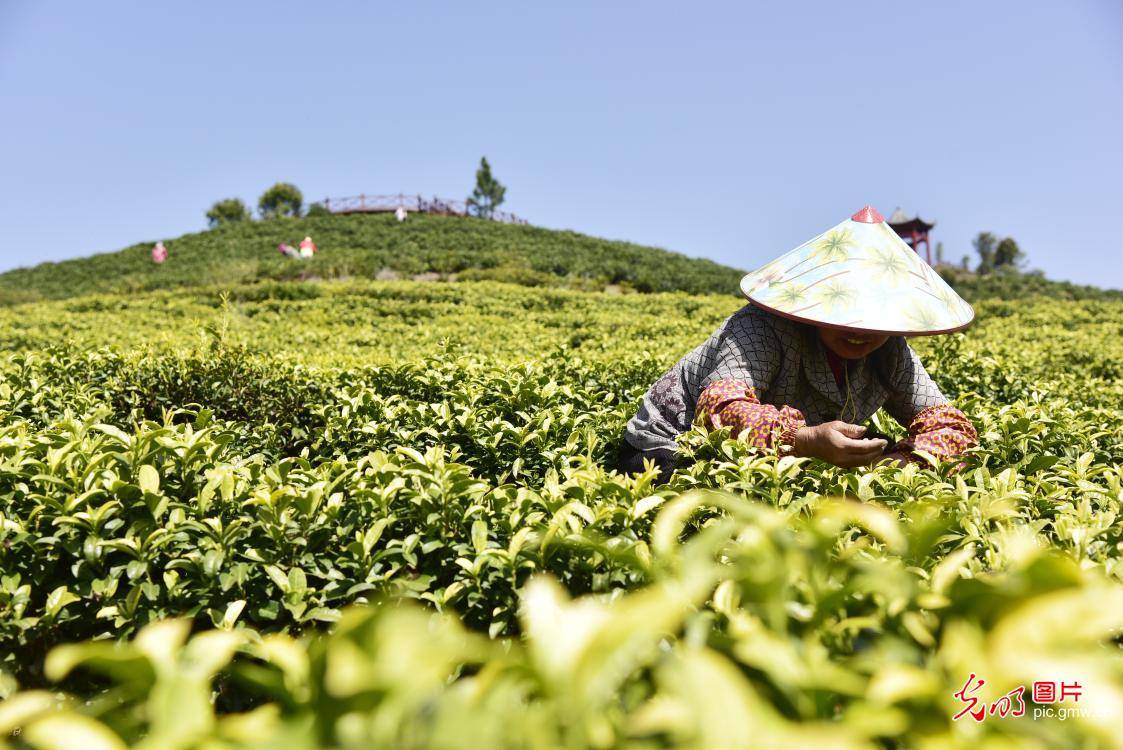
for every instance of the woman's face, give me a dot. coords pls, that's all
(850, 345)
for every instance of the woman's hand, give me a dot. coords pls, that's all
(838, 443)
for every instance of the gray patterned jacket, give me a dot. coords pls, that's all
(786, 363)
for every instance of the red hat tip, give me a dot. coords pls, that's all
(868, 215)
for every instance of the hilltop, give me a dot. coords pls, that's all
(375, 246)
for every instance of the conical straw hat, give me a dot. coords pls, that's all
(859, 276)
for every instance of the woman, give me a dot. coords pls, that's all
(817, 351)
(307, 247)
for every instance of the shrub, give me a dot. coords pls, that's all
(227, 211)
(283, 199)
(509, 275)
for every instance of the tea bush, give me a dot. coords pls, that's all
(384, 515)
(762, 629)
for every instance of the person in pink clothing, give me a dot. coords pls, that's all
(159, 252)
(307, 248)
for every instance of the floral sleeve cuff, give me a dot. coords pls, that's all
(786, 443)
(734, 404)
(942, 430)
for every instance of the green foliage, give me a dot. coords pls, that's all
(227, 211)
(1008, 283)
(509, 275)
(317, 210)
(372, 246)
(756, 628)
(984, 244)
(1008, 254)
(997, 255)
(384, 514)
(488, 194)
(283, 199)
(362, 246)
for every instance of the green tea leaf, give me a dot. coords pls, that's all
(149, 479)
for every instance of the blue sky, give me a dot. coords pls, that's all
(732, 131)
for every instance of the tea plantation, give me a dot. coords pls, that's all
(367, 514)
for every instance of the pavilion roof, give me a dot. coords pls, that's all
(900, 217)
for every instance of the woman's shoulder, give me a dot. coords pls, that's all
(782, 329)
(764, 334)
(752, 317)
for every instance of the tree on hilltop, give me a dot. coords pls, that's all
(1008, 254)
(227, 211)
(997, 255)
(489, 193)
(985, 243)
(283, 199)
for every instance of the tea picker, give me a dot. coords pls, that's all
(820, 347)
(307, 247)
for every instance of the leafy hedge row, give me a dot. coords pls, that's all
(1067, 345)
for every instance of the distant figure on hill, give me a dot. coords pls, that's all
(307, 248)
(819, 348)
(400, 214)
(159, 252)
(288, 250)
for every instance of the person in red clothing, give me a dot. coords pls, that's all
(307, 248)
(819, 348)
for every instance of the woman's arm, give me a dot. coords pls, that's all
(745, 358)
(934, 425)
(734, 404)
(942, 430)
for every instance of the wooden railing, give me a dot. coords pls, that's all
(376, 204)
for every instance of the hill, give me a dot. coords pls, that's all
(370, 246)
(431, 247)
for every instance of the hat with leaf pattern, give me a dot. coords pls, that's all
(859, 276)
